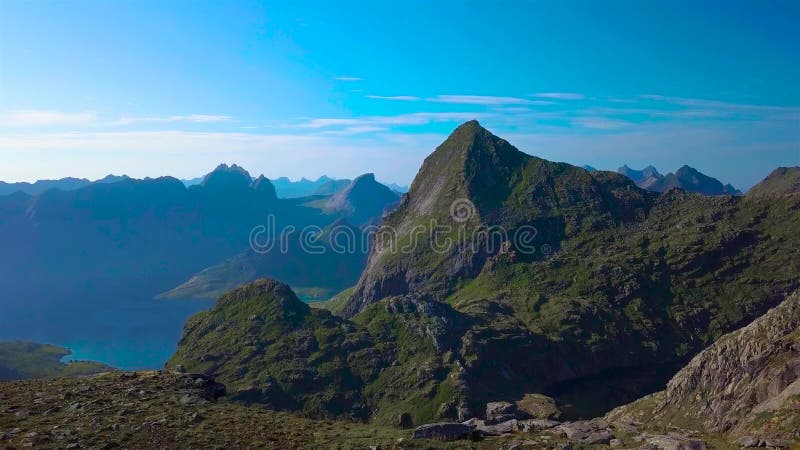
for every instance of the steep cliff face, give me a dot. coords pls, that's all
(748, 382)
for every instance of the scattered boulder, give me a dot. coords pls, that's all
(533, 425)
(538, 406)
(507, 427)
(500, 411)
(443, 431)
(750, 441)
(598, 437)
(673, 442)
(595, 431)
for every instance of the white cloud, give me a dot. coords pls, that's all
(402, 98)
(349, 79)
(479, 100)
(703, 103)
(420, 118)
(560, 95)
(44, 118)
(193, 118)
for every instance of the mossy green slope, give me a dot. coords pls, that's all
(269, 347)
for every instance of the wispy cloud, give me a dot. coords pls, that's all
(560, 95)
(599, 123)
(401, 98)
(479, 100)
(194, 118)
(704, 103)
(348, 79)
(44, 118)
(420, 118)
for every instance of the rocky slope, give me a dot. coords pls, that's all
(747, 383)
(160, 409)
(472, 181)
(157, 410)
(782, 181)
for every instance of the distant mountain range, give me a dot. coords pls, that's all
(65, 184)
(145, 237)
(686, 178)
(323, 185)
(314, 275)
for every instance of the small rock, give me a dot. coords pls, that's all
(109, 445)
(195, 417)
(598, 437)
(474, 422)
(532, 425)
(443, 431)
(73, 445)
(500, 411)
(507, 427)
(189, 399)
(180, 368)
(674, 442)
(616, 443)
(4, 436)
(750, 441)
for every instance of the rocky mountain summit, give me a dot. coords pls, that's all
(363, 201)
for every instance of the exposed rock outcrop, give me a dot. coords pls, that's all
(748, 381)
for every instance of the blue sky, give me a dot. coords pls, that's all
(342, 88)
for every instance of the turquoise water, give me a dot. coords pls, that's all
(126, 332)
(132, 333)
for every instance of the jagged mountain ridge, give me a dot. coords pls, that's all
(686, 178)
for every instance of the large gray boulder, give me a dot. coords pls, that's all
(507, 427)
(673, 442)
(500, 411)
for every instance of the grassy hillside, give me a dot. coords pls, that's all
(23, 360)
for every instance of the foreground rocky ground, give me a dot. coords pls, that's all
(160, 409)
